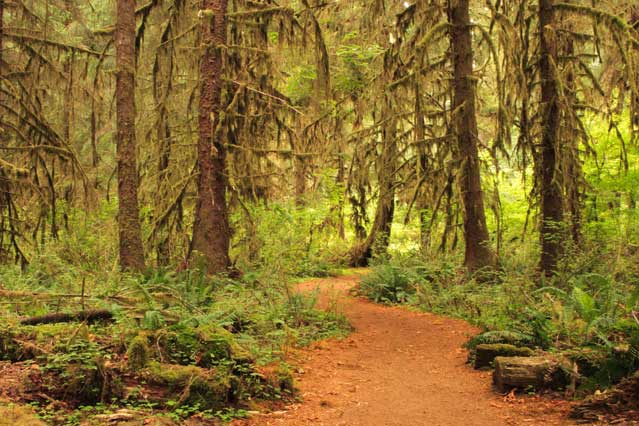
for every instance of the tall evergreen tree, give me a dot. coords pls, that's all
(211, 231)
(131, 249)
(478, 252)
(552, 203)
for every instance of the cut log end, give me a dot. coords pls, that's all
(541, 372)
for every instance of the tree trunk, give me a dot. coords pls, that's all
(634, 107)
(574, 198)
(552, 204)
(131, 249)
(1, 27)
(478, 252)
(164, 155)
(211, 230)
(340, 181)
(299, 169)
(379, 235)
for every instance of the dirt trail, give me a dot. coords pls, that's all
(399, 368)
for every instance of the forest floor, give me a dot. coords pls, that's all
(399, 367)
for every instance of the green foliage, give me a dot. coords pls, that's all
(138, 353)
(153, 320)
(354, 61)
(288, 240)
(299, 86)
(205, 324)
(78, 374)
(191, 385)
(388, 284)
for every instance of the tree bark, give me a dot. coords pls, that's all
(634, 108)
(478, 253)
(211, 230)
(131, 249)
(1, 27)
(379, 235)
(552, 203)
(575, 173)
(164, 155)
(299, 168)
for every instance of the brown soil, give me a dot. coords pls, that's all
(399, 368)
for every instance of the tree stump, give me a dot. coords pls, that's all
(540, 372)
(486, 353)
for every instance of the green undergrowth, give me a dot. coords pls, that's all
(179, 343)
(586, 312)
(299, 240)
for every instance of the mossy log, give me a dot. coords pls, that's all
(88, 316)
(486, 353)
(540, 372)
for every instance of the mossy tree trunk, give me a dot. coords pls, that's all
(376, 243)
(634, 22)
(552, 203)
(478, 253)
(163, 250)
(575, 172)
(131, 249)
(211, 230)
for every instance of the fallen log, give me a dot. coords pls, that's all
(7, 294)
(486, 353)
(84, 316)
(540, 372)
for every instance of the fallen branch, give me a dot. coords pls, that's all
(7, 294)
(88, 316)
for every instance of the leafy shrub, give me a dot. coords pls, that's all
(388, 284)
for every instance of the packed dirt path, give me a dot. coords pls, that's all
(399, 368)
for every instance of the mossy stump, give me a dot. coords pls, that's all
(138, 353)
(205, 347)
(486, 353)
(191, 385)
(278, 377)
